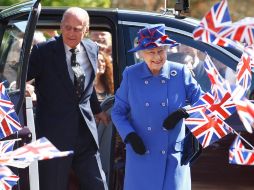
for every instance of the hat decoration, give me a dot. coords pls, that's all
(153, 36)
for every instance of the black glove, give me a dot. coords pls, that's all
(171, 121)
(136, 143)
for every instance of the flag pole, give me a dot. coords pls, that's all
(18, 139)
(235, 132)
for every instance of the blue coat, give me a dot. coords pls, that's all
(142, 103)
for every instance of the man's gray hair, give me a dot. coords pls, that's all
(77, 12)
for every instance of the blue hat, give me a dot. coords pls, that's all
(153, 36)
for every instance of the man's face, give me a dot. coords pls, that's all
(73, 30)
(155, 58)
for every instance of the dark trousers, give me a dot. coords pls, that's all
(54, 174)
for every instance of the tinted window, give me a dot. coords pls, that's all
(10, 51)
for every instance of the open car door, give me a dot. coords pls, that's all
(17, 26)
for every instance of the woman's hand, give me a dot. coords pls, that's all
(136, 143)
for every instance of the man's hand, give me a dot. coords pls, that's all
(102, 117)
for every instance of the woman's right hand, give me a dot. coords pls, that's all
(136, 143)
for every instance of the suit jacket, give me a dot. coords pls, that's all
(58, 108)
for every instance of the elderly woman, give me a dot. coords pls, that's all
(150, 92)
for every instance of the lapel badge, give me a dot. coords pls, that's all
(173, 73)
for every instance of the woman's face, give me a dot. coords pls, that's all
(101, 64)
(155, 58)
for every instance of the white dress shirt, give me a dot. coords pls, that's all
(82, 59)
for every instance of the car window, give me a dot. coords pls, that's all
(194, 59)
(10, 51)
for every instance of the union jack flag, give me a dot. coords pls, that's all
(245, 110)
(6, 146)
(9, 121)
(250, 51)
(243, 72)
(7, 178)
(217, 81)
(207, 129)
(42, 149)
(238, 154)
(214, 22)
(222, 108)
(241, 31)
(220, 86)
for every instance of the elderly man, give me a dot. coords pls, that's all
(64, 69)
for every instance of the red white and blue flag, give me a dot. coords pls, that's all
(7, 178)
(241, 31)
(9, 121)
(217, 28)
(6, 146)
(243, 72)
(222, 108)
(42, 149)
(245, 110)
(238, 154)
(207, 129)
(217, 81)
(214, 22)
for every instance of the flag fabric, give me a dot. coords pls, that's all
(245, 110)
(238, 154)
(217, 28)
(42, 149)
(6, 146)
(207, 129)
(237, 92)
(214, 22)
(241, 31)
(220, 87)
(243, 72)
(222, 108)
(217, 81)
(9, 121)
(7, 178)
(208, 36)
(249, 49)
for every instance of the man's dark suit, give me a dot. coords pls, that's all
(58, 111)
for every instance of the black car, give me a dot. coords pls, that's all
(27, 23)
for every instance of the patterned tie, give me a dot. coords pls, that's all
(79, 75)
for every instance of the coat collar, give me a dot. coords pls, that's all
(61, 65)
(165, 71)
(90, 54)
(92, 57)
